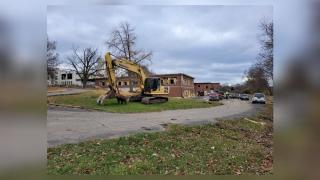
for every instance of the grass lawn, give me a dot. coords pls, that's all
(88, 100)
(228, 147)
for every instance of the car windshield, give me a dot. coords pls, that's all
(258, 95)
(245, 95)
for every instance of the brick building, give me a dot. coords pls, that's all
(179, 85)
(123, 83)
(205, 88)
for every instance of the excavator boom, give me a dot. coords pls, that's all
(156, 91)
(110, 73)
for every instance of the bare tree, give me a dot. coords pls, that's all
(86, 64)
(256, 79)
(265, 57)
(261, 73)
(147, 71)
(52, 57)
(122, 45)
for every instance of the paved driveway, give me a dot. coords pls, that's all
(67, 125)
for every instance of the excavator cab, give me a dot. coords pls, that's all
(153, 92)
(151, 84)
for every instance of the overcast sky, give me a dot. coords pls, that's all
(210, 43)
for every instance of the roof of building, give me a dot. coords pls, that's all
(174, 74)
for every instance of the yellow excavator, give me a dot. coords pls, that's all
(150, 89)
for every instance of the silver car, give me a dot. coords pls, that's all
(244, 97)
(258, 98)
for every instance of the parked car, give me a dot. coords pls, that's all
(244, 97)
(221, 95)
(259, 98)
(234, 95)
(214, 96)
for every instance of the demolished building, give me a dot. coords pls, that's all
(179, 85)
(204, 88)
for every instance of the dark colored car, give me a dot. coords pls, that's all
(244, 97)
(221, 95)
(214, 96)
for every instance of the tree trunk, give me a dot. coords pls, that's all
(84, 84)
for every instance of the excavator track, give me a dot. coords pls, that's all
(154, 100)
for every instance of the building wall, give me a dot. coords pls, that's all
(101, 82)
(64, 78)
(122, 82)
(69, 78)
(206, 87)
(179, 85)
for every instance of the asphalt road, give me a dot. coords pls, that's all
(68, 125)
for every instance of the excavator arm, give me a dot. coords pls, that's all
(152, 92)
(124, 64)
(110, 70)
(111, 73)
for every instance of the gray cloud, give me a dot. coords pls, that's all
(210, 43)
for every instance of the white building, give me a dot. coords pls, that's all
(65, 78)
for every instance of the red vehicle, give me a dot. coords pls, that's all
(214, 96)
(221, 95)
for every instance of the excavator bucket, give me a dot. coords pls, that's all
(110, 94)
